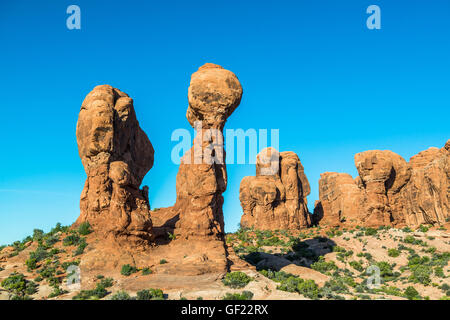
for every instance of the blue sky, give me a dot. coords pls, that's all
(311, 69)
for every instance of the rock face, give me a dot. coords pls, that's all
(116, 155)
(276, 197)
(388, 191)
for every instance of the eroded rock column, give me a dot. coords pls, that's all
(214, 93)
(116, 155)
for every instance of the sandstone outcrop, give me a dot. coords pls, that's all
(116, 155)
(276, 197)
(388, 191)
(196, 219)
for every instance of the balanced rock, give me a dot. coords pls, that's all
(195, 222)
(388, 191)
(276, 197)
(116, 155)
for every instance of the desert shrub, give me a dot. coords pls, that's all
(291, 283)
(439, 272)
(71, 240)
(19, 286)
(128, 270)
(370, 232)
(121, 295)
(162, 261)
(421, 274)
(322, 266)
(333, 286)
(391, 290)
(386, 270)
(308, 288)
(84, 228)
(98, 293)
(411, 240)
(81, 246)
(423, 228)
(57, 291)
(412, 293)
(50, 240)
(106, 282)
(393, 252)
(245, 295)
(236, 279)
(356, 265)
(47, 272)
(430, 250)
(146, 271)
(38, 234)
(150, 294)
(40, 254)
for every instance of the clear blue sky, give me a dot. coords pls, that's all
(309, 68)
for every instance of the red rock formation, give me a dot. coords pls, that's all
(116, 155)
(427, 194)
(196, 219)
(388, 191)
(276, 197)
(340, 200)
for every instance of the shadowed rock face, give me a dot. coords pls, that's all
(116, 155)
(388, 191)
(276, 197)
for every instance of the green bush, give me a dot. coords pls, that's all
(421, 274)
(57, 291)
(245, 295)
(81, 246)
(393, 252)
(71, 240)
(236, 279)
(85, 228)
(98, 293)
(412, 293)
(162, 261)
(322, 266)
(121, 295)
(19, 286)
(370, 232)
(291, 283)
(128, 270)
(31, 264)
(356, 265)
(150, 294)
(146, 271)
